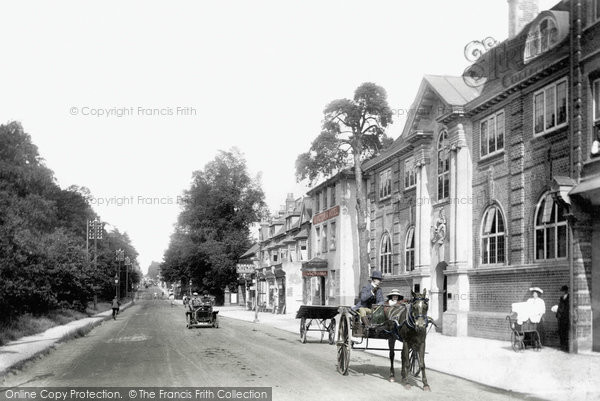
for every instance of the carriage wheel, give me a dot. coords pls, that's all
(332, 331)
(344, 345)
(413, 360)
(303, 330)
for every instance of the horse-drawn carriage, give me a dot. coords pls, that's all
(407, 323)
(317, 315)
(201, 315)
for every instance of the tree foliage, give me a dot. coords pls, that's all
(43, 262)
(213, 228)
(352, 132)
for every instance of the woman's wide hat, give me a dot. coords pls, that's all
(537, 289)
(395, 291)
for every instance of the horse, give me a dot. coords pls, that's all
(408, 323)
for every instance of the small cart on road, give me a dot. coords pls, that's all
(317, 316)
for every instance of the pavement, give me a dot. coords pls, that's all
(19, 351)
(548, 374)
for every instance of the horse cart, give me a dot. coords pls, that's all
(202, 315)
(317, 316)
(406, 323)
(523, 335)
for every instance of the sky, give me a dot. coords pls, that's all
(130, 98)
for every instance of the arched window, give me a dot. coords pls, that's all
(385, 254)
(493, 237)
(409, 250)
(550, 229)
(542, 36)
(443, 170)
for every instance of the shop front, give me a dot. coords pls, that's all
(314, 275)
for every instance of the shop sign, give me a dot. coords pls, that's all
(326, 215)
(320, 273)
(244, 268)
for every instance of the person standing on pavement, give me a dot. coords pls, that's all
(370, 295)
(562, 314)
(115, 307)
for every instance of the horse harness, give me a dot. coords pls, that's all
(409, 320)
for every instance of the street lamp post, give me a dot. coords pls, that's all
(127, 264)
(117, 286)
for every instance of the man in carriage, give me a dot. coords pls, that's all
(370, 295)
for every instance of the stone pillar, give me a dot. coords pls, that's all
(423, 216)
(460, 241)
(227, 301)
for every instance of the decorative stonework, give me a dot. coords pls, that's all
(438, 229)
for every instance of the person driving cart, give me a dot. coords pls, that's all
(370, 295)
(206, 299)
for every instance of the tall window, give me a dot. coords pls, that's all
(596, 97)
(333, 201)
(409, 250)
(550, 107)
(492, 134)
(332, 236)
(385, 254)
(303, 254)
(324, 240)
(318, 237)
(317, 202)
(443, 171)
(385, 183)
(493, 237)
(274, 255)
(550, 230)
(325, 199)
(410, 175)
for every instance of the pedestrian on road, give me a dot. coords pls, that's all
(115, 307)
(172, 298)
(562, 314)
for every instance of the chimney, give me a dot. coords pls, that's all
(290, 203)
(520, 13)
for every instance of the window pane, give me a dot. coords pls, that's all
(539, 244)
(492, 249)
(550, 108)
(561, 103)
(446, 186)
(539, 112)
(484, 251)
(562, 241)
(550, 242)
(500, 222)
(492, 135)
(597, 97)
(500, 131)
(484, 138)
(501, 251)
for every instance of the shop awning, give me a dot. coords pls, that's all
(269, 275)
(279, 273)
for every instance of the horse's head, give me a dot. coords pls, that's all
(418, 310)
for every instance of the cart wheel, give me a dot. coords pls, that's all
(332, 331)
(413, 360)
(303, 330)
(344, 345)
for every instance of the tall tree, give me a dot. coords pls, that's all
(213, 228)
(352, 132)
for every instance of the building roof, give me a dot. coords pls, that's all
(452, 90)
(250, 252)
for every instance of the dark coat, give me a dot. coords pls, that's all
(367, 299)
(562, 313)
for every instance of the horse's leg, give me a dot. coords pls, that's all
(392, 345)
(422, 366)
(405, 364)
